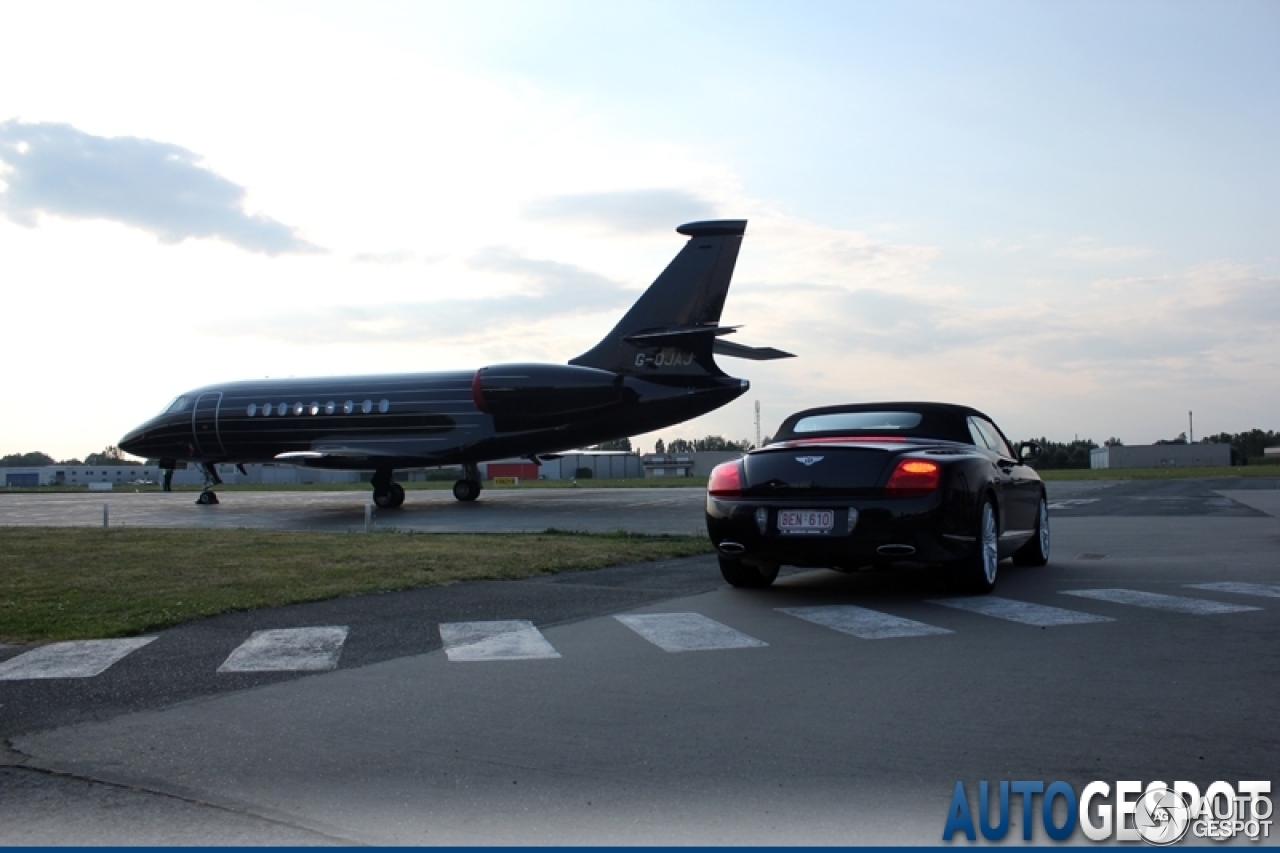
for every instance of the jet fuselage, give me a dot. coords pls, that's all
(422, 419)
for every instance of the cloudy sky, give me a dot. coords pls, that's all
(1062, 213)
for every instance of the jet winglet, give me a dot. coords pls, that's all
(721, 347)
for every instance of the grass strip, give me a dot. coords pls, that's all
(78, 583)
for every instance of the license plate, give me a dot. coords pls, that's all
(806, 522)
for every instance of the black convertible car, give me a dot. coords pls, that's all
(879, 484)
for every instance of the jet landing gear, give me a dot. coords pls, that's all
(387, 493)
(468, 488)
(207, 496)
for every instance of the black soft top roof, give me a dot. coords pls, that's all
(944, 421)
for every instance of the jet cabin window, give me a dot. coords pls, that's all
(252, 410)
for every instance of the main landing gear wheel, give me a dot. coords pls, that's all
(392, 497)
(466, 490)
(207, 498)
(745, 575)
(1036, 552)
(978, 572)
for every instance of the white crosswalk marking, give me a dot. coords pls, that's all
(76, 659)
(1159, 601)
(1262, 589)
(687, 632)
(861, 622)
(1040, 615)
(288, 650)
(512, 639)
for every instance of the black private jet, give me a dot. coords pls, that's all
(656, 368)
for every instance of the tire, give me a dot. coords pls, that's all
(392, 498)
(746, 576)
(1036, 552)
(466, 490)
(979, 570)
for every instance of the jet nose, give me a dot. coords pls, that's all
(134, 440)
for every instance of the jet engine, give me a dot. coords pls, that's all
(526, 396)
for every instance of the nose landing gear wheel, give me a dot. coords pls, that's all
(207, 499)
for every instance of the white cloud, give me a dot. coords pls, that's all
(57, 170)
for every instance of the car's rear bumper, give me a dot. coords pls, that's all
(887, 530)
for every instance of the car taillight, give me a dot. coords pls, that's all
(913, 477)
(726, 480)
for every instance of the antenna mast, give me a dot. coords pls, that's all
(757, 423)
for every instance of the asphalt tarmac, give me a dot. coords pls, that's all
(830, 709)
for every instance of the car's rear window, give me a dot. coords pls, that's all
(858, 422)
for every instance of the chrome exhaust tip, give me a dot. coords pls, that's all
(732, 548)
(895, 550)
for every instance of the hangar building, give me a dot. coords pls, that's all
(1161, 456)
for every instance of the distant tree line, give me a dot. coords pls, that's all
(1245, 446)
(710, 443)
(1056, 455)
(110, 455)
(616, 444)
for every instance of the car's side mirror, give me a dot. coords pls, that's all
(1029, 451)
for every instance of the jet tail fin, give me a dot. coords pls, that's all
(675, 324)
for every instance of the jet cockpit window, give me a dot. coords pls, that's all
(178, 405)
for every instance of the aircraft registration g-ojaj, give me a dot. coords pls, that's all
(655, 369)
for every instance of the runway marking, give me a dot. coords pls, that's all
(687, 632)
(1158, 601)
(1039, 615)
(1069, 503)
(1262, 589)
(288, 650)
(76, 659)
(511, 639)
(861, 622)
